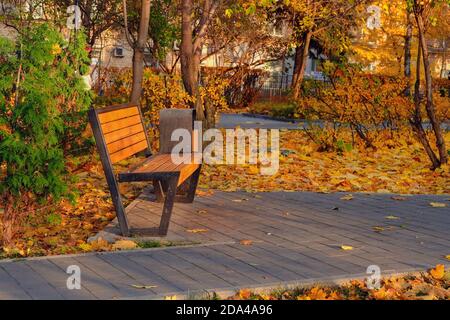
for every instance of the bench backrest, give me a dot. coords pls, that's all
(170, 120)
(119, 131)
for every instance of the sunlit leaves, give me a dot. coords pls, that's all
(425, 286)
(396, 166)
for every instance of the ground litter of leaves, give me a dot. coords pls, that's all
(398, 165)
(431, 285)
(402, 169)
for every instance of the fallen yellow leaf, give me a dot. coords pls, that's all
(246, 242)
(392, 217)
(253, 170)
(137, 286)
(347, 197)
(124, 245)
(197, 230)
(438, 272)
(244, 294)
(239, 200)
(346, 248)
(438, 204)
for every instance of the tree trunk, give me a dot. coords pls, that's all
(138, 52)
(408, 41)
(301, 59)
(8, 221)
(416, 121)
(444, 58)
(189, 59)
(435, 123)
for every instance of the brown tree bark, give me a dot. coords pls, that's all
(444, 57)
(301, 59)
(138, 52)
(416, 121)
(189, 65)
(191, 54)
(9, 219)
(408, 41)
(431, 112)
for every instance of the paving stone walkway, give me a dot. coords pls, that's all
(296, 238)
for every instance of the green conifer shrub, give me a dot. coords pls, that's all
(43, 100)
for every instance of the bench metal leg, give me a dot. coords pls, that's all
(120, 211)
(168, 205)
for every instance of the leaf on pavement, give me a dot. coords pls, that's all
(124, 245)
(240, 200)
(196, 230)
(347, 197)
(346, 248)
(438, 204)
(246, 242)
(137, 286)
(392, 218)
(438, 272)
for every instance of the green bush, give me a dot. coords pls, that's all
(284, 110)
(275, 109)
(41, 91)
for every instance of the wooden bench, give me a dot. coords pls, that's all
(119, 133)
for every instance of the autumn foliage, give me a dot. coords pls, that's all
(431, 285)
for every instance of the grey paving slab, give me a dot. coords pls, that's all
(296, 237)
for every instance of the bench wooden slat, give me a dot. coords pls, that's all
(163, 163)
(186, 172)
(167, 166)
(118, 114)
(123, 133)
(126, 142)
(121, 123)
(129, 151)
(152, 163)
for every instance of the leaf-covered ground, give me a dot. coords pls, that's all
(402, 168)
(431, 285)
(397, 165)
(64, 229)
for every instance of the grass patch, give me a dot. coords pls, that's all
(275, 109)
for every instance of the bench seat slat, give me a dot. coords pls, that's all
(187, 171)
(159, 165)
(151, 163)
